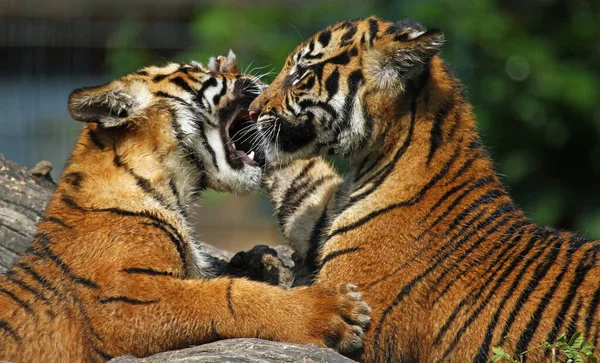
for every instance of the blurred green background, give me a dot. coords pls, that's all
(531, 69)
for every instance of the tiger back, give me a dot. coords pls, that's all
(449, 264)
(114, 268)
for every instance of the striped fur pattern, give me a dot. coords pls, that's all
(449, 264)
(114, 268)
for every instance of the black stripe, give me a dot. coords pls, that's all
(464, 168)
(166, 95)
(485, 199)
(536, 317)
(125, 299)
(332, 84)
(40, 279)
(123, 213)
(160, 77)
(142, 182)
(147, 271)
(101, 353)
(95, 140)
(229, 298)
(373, 30)
(307, 103)
(362, 174)
(4, 325)
(217, 97)
(340, 59)
(215, 333)
(335, 254)
(484, 301)
(348, 35)
(436, 138)
(294, 202)
(502, 210)
(384, 172)
(211, 82)
(44, 242)
(514, 228)
(181, 83)
(86, 318)
(572, 327)
(190, 153)
(324, 38)
(204, 140)
(477, 184)
(57, 221)
(21, 303)
(74, 178)
(314, 243)
(10, 277)
(174, 238)
(412, 201)
(538, 275)
(499, 264)
(585, 264)
(443, 198)
(591, 313)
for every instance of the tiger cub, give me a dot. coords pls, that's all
(114, 268)
(449, 264)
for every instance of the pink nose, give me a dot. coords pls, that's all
(253, 115)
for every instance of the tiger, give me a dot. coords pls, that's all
(420, 221)
(114, 268)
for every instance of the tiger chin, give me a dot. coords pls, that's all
(449, 264)
(114, 268)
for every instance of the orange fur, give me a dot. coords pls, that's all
(449, 264)
(114, 268)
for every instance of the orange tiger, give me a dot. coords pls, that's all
(114, 268)
(449, 264)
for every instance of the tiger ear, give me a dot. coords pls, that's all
(223, 64)
(401, 53)
(110, 105)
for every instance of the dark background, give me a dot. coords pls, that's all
(531, 69)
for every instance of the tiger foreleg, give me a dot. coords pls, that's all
(174, 313)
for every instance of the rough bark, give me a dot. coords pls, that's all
(244, 350)
(24, 195)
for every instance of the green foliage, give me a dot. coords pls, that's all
(531, 70)
(575, 350)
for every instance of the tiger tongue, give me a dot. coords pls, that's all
(247, 158)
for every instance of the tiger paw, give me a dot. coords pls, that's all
(340, 317)
(263, 264)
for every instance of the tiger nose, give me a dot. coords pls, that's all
(256, 107)
(253, 115)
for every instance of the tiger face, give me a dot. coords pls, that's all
(336, 84)
(190, 112)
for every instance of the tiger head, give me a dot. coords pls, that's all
(336, 86)
(185, 114)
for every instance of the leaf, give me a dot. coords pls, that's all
(576, 340)
(589, 355)
(499, 354)
(587, 346)
(562, 338)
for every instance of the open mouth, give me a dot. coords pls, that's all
(241, 136)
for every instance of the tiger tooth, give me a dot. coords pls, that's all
(251, 155)
(233, 145)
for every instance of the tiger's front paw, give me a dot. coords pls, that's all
(262, 264)
(339, 318)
